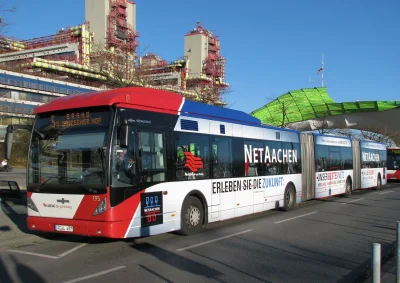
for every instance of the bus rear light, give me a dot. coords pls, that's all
(31, 204)
(101, 208)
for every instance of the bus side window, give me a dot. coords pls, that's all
(222, 157)
(321, 157)
(254, 167)
(198, 146)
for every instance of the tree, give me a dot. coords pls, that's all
(285, 106)
(321, 123)
(211, 93)
(117, 68)
(374, 133)
(121, 67)
(3, 22)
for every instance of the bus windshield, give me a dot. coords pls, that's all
(393, 162)
(68, 152)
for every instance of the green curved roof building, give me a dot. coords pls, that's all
(313, 103)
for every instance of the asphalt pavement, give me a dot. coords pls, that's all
(320, 241)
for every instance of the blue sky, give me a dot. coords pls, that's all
(271, 47)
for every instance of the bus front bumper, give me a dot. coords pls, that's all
(109, 229)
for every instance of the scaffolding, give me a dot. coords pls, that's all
(210, 84)
(120, 34)
(68, 55)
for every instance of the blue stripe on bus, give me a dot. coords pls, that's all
(200, 110)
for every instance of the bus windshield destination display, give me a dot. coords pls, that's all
(74, 120)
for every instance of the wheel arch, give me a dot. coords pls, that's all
(295, 190)
(291, 183)
(198, 194)
(284, 207)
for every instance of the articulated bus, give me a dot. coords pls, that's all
(393, 166)
(137, 162)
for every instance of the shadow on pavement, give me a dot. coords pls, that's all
(17, 214)
(177, 261)
(363, 271)
(5, 228)
(23, 272)
(155, 273)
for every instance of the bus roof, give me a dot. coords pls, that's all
(147, 99)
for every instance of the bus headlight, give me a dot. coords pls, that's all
(102, 207)
(31, 204)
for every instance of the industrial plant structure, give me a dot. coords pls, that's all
(93, 55)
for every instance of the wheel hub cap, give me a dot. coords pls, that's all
(194, 215)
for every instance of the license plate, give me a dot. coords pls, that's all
(64, 228)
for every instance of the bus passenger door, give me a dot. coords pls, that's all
(151, 159)
(152, 171)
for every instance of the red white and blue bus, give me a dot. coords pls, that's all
(135, 162)
(393, 164)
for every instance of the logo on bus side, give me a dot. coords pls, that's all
(192, 162)
(266, 155)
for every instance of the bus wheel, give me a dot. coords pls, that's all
(348, 187)
(192, 216)
(289, 199)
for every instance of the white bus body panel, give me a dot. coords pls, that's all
(331, 183)
(231, 198)
(369, 177)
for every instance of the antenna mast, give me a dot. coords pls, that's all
(320, 70)
(322, 81)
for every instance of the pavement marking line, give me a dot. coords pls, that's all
(215, 240)
(34, 254)
(354, 200)
(95, 274)
(72, 250)
(386, 192)
(295, 217)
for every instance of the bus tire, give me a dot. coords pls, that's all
(289, 198)
(192, 216)
(349, 189)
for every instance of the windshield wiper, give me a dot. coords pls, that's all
(40, 134)
(42, 184)
(90, 190)
(77, 183)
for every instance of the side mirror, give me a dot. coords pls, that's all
(124, 136)
(8, 143)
